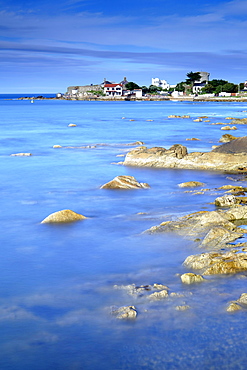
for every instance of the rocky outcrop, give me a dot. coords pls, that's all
(239, 304)
(125, 182)
(233, 147)
(65, 215)
(210, 229)
(214, 263)
(178, 157)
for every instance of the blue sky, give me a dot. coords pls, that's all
(47, 45)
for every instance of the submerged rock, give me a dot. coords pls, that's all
(126, 312)
(21, 155)
(158, 295)
(239, 304)
(125, 182)
(191, 184)
(65, 215)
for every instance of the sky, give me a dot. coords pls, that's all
(48, 45)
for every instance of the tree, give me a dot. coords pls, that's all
(180, 86)
(230, 88)
(145, 89)
(131, 86)
(193, 77)
(154, 89)
(208, 89)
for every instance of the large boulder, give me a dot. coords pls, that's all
(66, 215)
(124, 182)
(234, 146)
(228, 200)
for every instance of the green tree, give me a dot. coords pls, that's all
(180, 86)
(216, 83)
(145, 89)
(154, 89)
(230, 88)
(192, 77)
(131, 86)
(208, 89)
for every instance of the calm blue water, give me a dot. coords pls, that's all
(57, 281)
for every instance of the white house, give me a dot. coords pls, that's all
(198, 85)
(160, 83)
(113, 89)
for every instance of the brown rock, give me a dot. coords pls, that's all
(228, 200)
(65, 215)
(126, 312)
(226, 138)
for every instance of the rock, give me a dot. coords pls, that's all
(198, 120)
(193, 139)
(174, 116)
(191, 184)
(228, 200)
(177, 156)
(218, 236)
(235, 146)
(229, 128)
(57, 146)
(21, 155)
(126, 312)
(72, 125)
(125, 182)
(190, 278)
(215, 263)
(65, 215)
(233, 307)
(160, 286)
(182, 308)
(158, 295)
(243, 299)
(226, 138)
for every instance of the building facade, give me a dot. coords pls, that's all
(160, 83)
(113, 89)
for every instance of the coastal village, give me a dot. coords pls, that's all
(196, 85)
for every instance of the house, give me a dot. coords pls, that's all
(198, 85)
(160, 83)
(113, 89)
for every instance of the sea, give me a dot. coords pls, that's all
(60, 283)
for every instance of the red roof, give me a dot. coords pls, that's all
(112, 85)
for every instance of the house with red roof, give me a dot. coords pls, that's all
(113, 89)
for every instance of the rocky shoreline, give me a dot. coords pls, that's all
(218, 234)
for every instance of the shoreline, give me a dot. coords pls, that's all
(187, 98)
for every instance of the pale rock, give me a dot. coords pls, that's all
(72, 125)
(126, 312)
(124, 182)
(190, 278)
(228, 200)
(232, 307)
(158, 295)
(226, 138)
(182, 308)
(21, 155)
